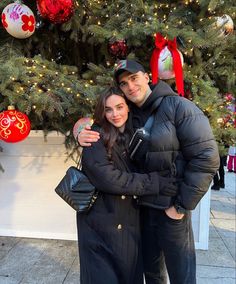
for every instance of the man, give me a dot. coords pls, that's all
(182, 143)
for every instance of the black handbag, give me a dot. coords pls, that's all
(76, 190)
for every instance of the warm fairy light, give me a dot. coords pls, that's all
(68, 89)
(62, 84)
(49, 90)
(86, 85)
(91, 81)
(44, 66)
(78, 95)
(99, 23)
(220, 120)
(34, 106)
(40, 75)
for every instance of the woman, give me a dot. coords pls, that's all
(109, 235)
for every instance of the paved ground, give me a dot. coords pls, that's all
(39, 261)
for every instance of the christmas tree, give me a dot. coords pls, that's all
(54, 74)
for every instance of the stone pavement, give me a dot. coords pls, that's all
(40, 261)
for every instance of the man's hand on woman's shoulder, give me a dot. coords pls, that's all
(87, 136)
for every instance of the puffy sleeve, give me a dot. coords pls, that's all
(200, 151)
(103, 174)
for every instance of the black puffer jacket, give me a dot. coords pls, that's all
(181, 143)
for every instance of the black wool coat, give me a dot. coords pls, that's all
(109, 235)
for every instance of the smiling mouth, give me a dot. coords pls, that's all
(134, 93)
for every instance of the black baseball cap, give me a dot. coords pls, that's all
(127, 65)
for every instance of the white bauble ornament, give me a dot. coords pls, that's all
(226, 25)
(165, 64)
(18, 20)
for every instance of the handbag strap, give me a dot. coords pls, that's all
(150, 120)
(149, 123)
(79, 163)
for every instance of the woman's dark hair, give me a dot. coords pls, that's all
(109, 132)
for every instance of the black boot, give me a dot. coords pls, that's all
(222, 184)
(215, 187)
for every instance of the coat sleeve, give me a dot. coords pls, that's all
(200, 151)
(107, 178)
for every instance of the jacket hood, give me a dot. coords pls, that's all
(159, 91)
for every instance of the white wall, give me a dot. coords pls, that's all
(29, 207)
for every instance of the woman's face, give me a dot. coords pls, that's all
(116, 111)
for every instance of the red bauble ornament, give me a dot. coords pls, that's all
(14, 125)
(118, 48)
(56, 11)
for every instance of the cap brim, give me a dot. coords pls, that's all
(120, 71)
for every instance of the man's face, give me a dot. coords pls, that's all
(134, 86)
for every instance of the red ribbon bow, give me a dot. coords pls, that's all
(160, 43)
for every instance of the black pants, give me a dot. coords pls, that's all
(219, 177)
(170, 243)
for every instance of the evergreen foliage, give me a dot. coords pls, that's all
(55, 75)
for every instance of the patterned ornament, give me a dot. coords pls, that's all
(165, 64)
(14, 125)
(80, 125)
(118, 49)
(18, 20)
(56, 11)
(226, 25)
